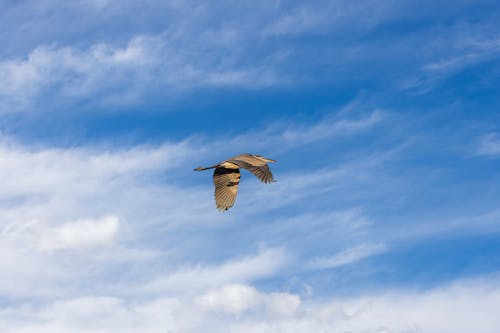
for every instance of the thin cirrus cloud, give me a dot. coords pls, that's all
(46, 208)
(467, 51)
(489, 145)
(191, 53)
(266, 263)
(38, 189)
(330, 127)
(120, 75)
(348, 256)
(286, 136)
(373, 202)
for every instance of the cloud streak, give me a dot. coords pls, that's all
(347, 256)
(489, 145)
(114, 75)
(81, 233)
(191, 279)
(187, 50)
(375, 221)
(238, 307)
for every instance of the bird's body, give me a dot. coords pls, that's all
(227, 176)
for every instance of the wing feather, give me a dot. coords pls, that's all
(263, 173)
(260, 171)
(247, 158)
(226, 182)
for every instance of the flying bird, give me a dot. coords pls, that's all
(227, 176)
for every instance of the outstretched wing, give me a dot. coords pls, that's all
(226, 182)
(262, 172)
(255, 166)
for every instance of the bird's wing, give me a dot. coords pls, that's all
(226, 182)
(261, 171)
(247, 158)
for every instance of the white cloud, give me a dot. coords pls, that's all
(348, 256)
(334, 17)
(330, 127)
(120, 75)
(188, 49)
(466, 46)
(231, 298)
(130, 214)
(136, 203)
(72, 73)
(57, 185)
(476, 49)
(489, 145)
(236, 299)
(286, 136)
(151, 214)
(282, 304)
(191, 279)
(463, 306)
(81, 233)
(83, 199)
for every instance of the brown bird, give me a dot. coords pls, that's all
(227, 176)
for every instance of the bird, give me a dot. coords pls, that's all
(227, 176)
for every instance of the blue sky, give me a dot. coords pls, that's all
(383, 117)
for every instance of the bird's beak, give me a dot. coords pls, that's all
(270, 160)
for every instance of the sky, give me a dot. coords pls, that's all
(384, 119)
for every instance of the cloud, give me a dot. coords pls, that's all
(81, 233)
(56, 201)
(475, 48)
(187, 49)
(127, 239)
(142, 209)
(330, 127)
(136, 224)
(119, 75)
(61, 184)
(131, 209)
(231, 298)
(327, 17)
(236, 299)
(466, 46)
(347, 256)
(190, 279)
(473, 305)
(489, 145)
(283, 136)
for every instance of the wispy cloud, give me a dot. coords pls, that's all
(74, 199)
(489, 145)
(285, 136)
(464, 51)
(124, 237)
(120, 75)
(190, 279)
(81, 233)
(58, 200)
(187, 50)
(243, 308)
(237, 299)
(347, 256)
(330, 127)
